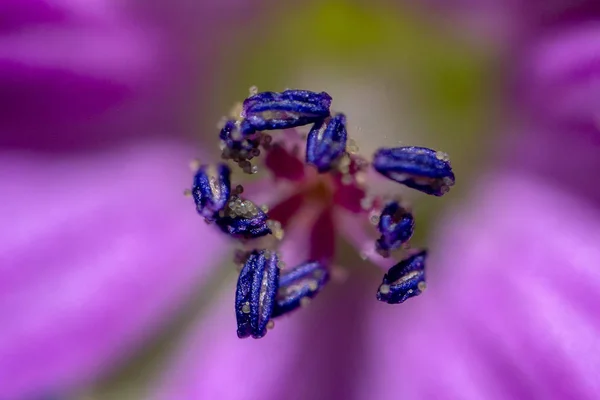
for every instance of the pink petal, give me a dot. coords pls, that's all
(349, 197)
(96, 250)
(296, 246)
(356, 229)
(284, 211)
(511, 309)
(215, 364)
(557, 158)
(283, 164)
(42, 73)
(561, 78)
(322, 237)
(94, 72)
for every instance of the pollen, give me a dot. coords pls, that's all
(246, 308)
(384, 289)
(305, 301)
(194, 165)
(276, 229)
(440, 155)
(236, 111)
(352, 147)
(366, 203)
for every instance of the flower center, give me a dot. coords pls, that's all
(319, 190)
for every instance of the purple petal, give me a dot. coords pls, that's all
(314, 353)
(42, 74)
(209, 364)
(100, 71)
(511, 308)
(561, 79)
(215, 364)
(557, 158)
(96, 250)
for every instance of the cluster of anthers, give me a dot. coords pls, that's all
(266, 289)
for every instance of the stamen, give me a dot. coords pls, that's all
(396, 226)
(242, 219)
(326, 142)
(264, 289)
(255, 295)
(299, 285)
(419, 168)
(238, 148)
(288, 109)
(404, 280)
(211, 189)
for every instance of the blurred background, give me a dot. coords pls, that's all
(104, 268)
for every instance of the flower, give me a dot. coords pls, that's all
(327, 178)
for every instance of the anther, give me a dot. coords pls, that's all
(255, 295)
(211, 189)
(396, 226)
(299, 285)
(419, 168)
(243, 220)
(326, 142)
(288, 109)
(404, 280)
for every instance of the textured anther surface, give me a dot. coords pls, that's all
(211, 189)
(396, 226)
(255, 295)
(288, 109)
(303, 282)
(419, 168)
(326, 142)
(404, 280)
